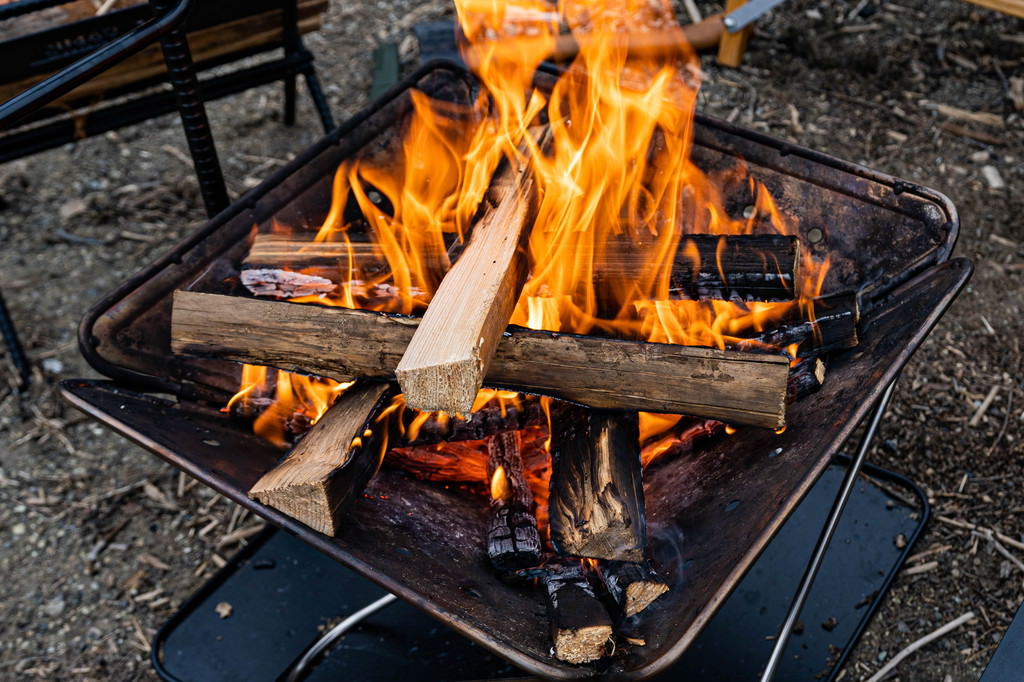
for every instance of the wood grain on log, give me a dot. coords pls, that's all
(446, 361)
(736, 387)
(332, 464)
(596, 507)
(580, 626)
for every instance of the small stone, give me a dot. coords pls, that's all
(224, 609)
(980, 156)
(18, 529)
(53, 365)
(992, 177)
(54, 607)
(69, 209)
(901, 541)
(830, 624)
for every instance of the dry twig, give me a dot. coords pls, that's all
(927, 639)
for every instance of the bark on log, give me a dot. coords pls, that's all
(736, 387)
(596, 507)
(755, 267)
(446, 361)
(580, 626)
(513, 541)
(633, 585)
(331, 465)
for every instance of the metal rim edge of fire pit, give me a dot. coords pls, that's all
(960, 272)
(945, 280)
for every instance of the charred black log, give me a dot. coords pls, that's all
(596, 507)
(748, 267)
(832, 326)
(492, 418)
(805, 378)
(513, 541)
(581, 628)
(633, 585)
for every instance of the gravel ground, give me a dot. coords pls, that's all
(101, 541)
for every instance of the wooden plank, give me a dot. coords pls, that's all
(209, 43)
(1014, 7)
(596, 507)
(731, 46)
(733, 386)
(332, 464)
(444, 365)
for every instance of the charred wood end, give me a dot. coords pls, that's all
(632, 585)
(581, 628)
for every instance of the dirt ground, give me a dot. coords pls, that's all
(100, 541)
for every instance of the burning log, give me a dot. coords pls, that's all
(832, 327)
(736, 387)
(513, 541)
(444, 364)
(580, 626)
(805, 378)
(633, 585)
(749, 267)
(490, 419)
(596, 507)
(332, 464)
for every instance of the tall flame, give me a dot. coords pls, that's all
(615, 174)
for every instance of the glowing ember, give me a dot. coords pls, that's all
(500, 488)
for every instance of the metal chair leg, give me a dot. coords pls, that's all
(182, 75)
(807, 581)
(14, 348)
(316, 92)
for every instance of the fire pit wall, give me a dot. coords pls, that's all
(710, 512)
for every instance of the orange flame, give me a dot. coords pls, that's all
(616, 174)
(501, 491)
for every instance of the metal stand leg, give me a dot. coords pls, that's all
(17, 353)
(289, 100)
(182, 75)
(826, 534)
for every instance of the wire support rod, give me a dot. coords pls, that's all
(845, 491)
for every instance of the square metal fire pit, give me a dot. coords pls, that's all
(710, 513)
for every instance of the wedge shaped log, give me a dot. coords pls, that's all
(596, 507)
(733, 386)
(444, 364)
(331, 465)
